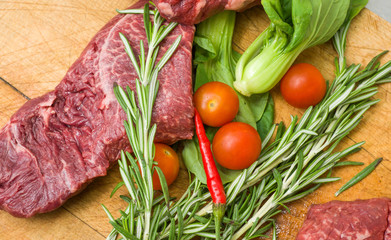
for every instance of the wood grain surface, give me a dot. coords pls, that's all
(39, 41)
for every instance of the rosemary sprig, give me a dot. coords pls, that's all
(143, 212)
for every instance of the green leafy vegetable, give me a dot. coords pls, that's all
(360, 176)
(215, 60)
(295, 26)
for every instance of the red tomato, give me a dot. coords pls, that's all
(217, 103)
(236, 145)
(167, 160)
(303, 86)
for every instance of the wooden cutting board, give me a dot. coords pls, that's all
(39, 41)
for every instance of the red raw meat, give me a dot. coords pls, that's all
(57, 143)
(194, 11)
(355, 220)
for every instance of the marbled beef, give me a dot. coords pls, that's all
(195, 11)
(357, 220)
(57, 143)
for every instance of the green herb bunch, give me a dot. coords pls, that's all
(139, 219)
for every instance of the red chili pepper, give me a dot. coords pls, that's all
(213, 179)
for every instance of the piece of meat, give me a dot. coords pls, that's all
(387, 234)
(57, 143)
(355, 220)
(194, 11)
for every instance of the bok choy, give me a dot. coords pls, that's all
(295, 26)
(214, 60)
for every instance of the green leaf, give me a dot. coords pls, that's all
(277, 15)
(258, 103)
(147, 22)
(122, 231)
(227, 175)
(172, 230)
(180, 222)
(205, 50)
(277, 176)
(301, 16)
(201, 76)
(267, 119)
(120, 184)
(348, 163)
(360, 176)
(193, 160)
(355, 8)
(245, 113)
(163, 183)
(280, 130)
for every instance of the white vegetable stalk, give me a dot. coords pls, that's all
(293, 28)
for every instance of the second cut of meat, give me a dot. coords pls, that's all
(356, 220)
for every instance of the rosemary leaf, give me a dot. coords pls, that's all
(163, 184)
(180, 222)
(147, 23)
(120, 184)
(360, 176)
(348, 163)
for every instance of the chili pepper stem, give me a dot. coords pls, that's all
(218, 213)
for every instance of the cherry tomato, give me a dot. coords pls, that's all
(217, 103)
(167, 160)
(236, 145)
(303, 86)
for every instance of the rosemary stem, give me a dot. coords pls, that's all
(145, 79)
(145, 210)
(262, 173)
(147, 224)
(271, 203)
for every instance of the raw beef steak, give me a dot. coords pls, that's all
(195, 11)
(56, 144)
(356, 220)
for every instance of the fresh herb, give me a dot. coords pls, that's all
(213, 179)
(139, 219)
(295, 26)
(360, 176)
